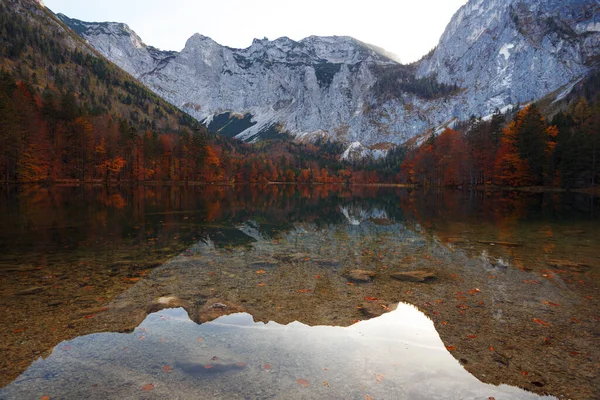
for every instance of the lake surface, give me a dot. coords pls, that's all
(298, 292)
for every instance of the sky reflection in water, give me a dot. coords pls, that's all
(396, 356)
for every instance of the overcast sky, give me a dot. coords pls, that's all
(409, 28)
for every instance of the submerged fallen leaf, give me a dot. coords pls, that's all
(199, 339)
(525, 373)
(472, 336)
(208, 366)
(45, 398)
(240, 364)
(267, 366)
(325, 384)
(148, 387)
(260, 272)
(550, 303)
(541, 322)
(167, 368)
(369, 298)
(302, 382)
(367, 397)
(450, 348)
(261, 284)
(379, 378)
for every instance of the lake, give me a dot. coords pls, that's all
(290, 291)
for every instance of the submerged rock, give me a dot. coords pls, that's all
(414, 276)
(166, 302)
(359, 275)
(215, 308)
(265, 264)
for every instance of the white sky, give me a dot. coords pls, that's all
(409, 28)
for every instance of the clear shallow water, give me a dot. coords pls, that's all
(396, 356)
(514, 297)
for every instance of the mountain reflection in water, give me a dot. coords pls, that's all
(398, 355)
(513, 292)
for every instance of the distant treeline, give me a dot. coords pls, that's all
(528, 151)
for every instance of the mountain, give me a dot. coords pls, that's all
(493, 54)
(509, 51)
(67, 113)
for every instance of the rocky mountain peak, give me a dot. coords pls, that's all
(493, 54)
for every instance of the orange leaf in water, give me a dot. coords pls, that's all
(148, 387)
(550, 303)
(491, 398)
(142, 337)
(199, 339)
(261, 284)
(325, 384)
(472, 336)
(304, 291)
(473, 291)
(525, 373)
(208, 366)
(317, 276)
(260, 272)
(267, 366)
(575, 320)
(573, 353)
(444, 322)
(240, 364)
(367, 397)
(369, 298)
(349, 283)
(450, 348)
(302, 382)
(541, 322)
(45, 397)
(166, 368)
(66, 348)
(19, 330)
(379, 378)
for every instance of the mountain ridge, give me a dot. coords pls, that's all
(492, 55)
